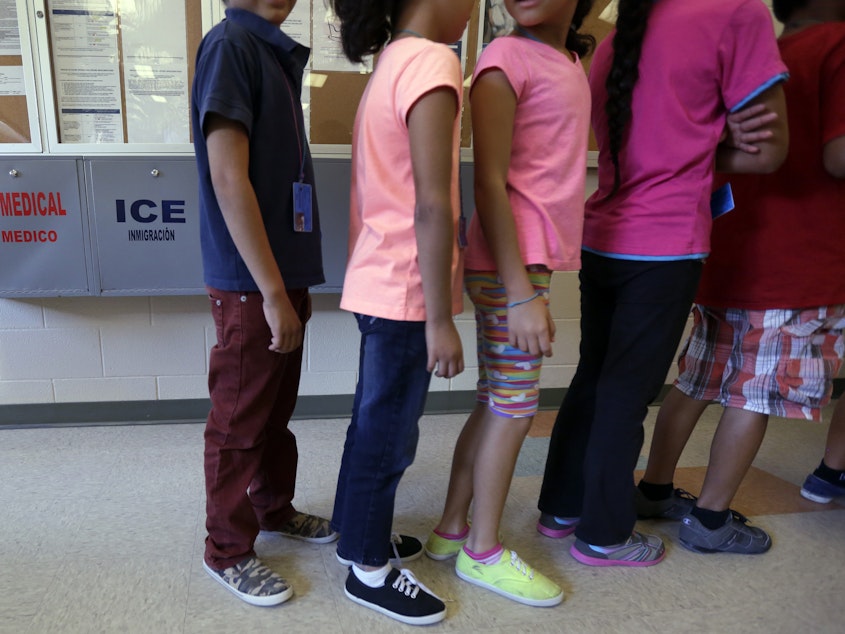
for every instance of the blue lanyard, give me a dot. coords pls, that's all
(300, 136)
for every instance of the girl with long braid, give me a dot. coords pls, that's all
(663, 86)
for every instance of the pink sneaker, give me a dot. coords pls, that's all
(556, 527)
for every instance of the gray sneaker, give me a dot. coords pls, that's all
(253, 582)
(734, 537)
(638, 550)
(672, 508)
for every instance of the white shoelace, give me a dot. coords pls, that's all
(521, 566)
(406, 582)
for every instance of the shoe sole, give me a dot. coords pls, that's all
(396, 563)
(439, 556)
(266, 601)
(603, 563)
(537, 603)
(410, 620)
(813, 497)
(555, 533)
(709, 551)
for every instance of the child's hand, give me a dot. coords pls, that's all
(285, 326)
(445, 353)
(748, 126)
(531, 328)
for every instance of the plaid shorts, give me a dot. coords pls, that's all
(780, 362)
(508, 378)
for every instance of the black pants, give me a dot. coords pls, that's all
(632, 317)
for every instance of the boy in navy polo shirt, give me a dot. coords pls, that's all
(260, 236)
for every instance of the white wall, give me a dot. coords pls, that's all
(87, 349)
(104, 349)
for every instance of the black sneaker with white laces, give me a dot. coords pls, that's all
(401, 597)
(403, 548)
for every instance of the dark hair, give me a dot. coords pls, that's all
(784, 8)
(365, 27)
(624, 73)
(581, 43)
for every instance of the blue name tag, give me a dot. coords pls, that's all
(721, 201)
(303, 221)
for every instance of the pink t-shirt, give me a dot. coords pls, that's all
(382, 274)
(700, 60)
(548, 154)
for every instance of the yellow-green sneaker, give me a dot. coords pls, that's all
(440, 548)
(511, 577)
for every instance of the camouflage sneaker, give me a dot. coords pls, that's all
(309, 528)
(253, 582)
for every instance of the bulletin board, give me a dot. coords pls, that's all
(334, 102)
(120, 73)
(117, 73)
(18, 107)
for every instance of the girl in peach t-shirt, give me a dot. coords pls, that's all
(402, 279)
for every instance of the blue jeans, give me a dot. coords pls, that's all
(381, 441)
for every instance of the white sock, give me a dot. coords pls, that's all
(372, 578)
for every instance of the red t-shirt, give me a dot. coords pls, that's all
(783, 246)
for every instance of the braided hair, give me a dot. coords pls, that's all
(581, 43)
(624, 72)
(365, 27)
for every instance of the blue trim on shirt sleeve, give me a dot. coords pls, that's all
(774, 80)
(646, 258)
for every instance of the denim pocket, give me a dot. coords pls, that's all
(368, 323)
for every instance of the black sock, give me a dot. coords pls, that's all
(655, 492)
(711, 519)
(834, 476)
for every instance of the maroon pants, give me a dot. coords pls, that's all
(250, 454)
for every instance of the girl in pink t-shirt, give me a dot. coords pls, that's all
(402, 278)
(663, 85)
(530, 119)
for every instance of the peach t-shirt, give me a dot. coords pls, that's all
(382, 274)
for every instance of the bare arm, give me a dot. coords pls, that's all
(530, 326)
(772, 139)
(430, 127)
(834, 157)
(228, 159)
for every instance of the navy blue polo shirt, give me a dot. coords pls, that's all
(249, 71)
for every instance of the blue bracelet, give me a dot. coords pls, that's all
(519, 302)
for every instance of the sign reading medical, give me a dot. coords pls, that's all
(43, 229)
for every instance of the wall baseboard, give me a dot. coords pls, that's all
(195, 410)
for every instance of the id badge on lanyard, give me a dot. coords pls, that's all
(303, 221)
(303, 208)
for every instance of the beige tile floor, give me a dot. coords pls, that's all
(102, 531)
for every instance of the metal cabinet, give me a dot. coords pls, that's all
(44, 241)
